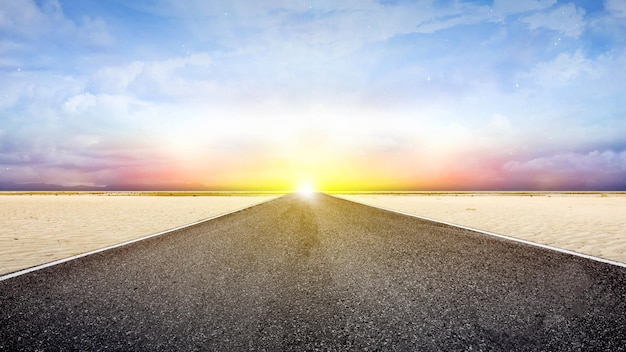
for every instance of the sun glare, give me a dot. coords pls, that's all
(306, 188)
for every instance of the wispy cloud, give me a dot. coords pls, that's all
(567, 20)
(595, 170)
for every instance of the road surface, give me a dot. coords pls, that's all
(318, 273)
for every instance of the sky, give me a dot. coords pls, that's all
(343, 95)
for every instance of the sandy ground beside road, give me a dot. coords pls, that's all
(39, 228)
(593, 224)
(318, 273)
(36, 229)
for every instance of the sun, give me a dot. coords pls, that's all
(306, 188)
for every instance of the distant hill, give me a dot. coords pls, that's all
(48, 187)
(44, 187)
(159, 187)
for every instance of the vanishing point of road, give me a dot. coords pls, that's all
(318, 273)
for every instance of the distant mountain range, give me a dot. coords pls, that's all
(165, 187)
(47, 187)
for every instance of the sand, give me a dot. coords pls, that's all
(593, 224)
(40, 228)
(36, 229)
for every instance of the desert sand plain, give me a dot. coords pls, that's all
(588, 223)
(40, 228)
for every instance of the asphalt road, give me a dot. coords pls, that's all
(318, 274)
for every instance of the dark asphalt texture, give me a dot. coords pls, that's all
(318, 274)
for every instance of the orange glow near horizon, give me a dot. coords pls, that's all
(286, 168)
(294, 182)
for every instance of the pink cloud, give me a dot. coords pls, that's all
(606, 169)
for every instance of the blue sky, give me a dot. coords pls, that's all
(352, 94)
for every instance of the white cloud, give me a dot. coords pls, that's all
(187, 76)
(115, 79)
(616, 7)
(94, 31)
(516, 6)
(499, 123)
(566, 20)
(560, 71)
(594, 162)
(28, 19)
(79, 103)
(583, 171)
(339, 27)
(199, 8)
(36, 92)
(181, 77)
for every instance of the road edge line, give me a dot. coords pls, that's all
(527, 242)
(99, 250)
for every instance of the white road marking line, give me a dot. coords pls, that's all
(545, 246)
(63, 260)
